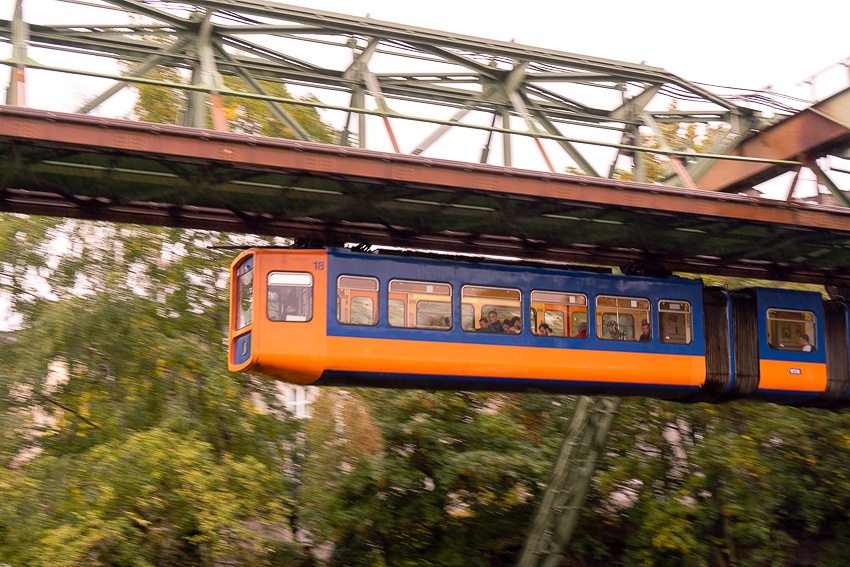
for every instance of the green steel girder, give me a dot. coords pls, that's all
(473, 75)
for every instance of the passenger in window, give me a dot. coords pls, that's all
(582, 331)
(614, 333)
(483, 325)
(646, 334)
(516, 326)
(495, 324)
(803, 341)
(290, 306)
(506, 326)
(544, 330)
(492, 316)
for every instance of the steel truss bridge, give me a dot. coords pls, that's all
(398, 99)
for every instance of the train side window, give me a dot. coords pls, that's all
(563, 313)
(357, 300)
(395, 313)
(420, 305)
(579, 324)
(616, 317)
(434, 315)
(791, 330)
(554, 318)
(289, 296)
(467, 317)
(504, 303)
(674, 322)
(244, 295)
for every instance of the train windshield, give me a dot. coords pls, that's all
(244, 295)
(290, 296)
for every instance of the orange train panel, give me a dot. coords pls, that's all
(491, 361)
(792, 376)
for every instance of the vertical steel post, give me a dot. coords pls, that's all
(506, 137)
(358, 97)
(640, 166)
(563, 499)
(210, 78)
(16, 93)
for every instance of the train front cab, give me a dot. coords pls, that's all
(267, 289)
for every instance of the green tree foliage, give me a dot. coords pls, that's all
(424, 478)
(125, 440)
(680, 137)
(243, 115)
(743, 484)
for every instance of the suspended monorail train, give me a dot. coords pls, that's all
(341, 317)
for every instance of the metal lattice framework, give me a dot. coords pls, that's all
(562, 106)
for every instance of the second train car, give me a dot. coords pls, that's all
(345, 318)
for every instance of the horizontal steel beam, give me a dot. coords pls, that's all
(420, 188)
(810, 134)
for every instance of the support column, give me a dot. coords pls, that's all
(205, 75)
(559, 510)
(506, 137)
(16, 93)
(356, 72)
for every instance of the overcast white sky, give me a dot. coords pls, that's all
(740, 43)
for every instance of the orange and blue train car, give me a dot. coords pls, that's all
(341, 317)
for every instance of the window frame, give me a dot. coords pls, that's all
(375, 310)
(431, 296)
(270, 285)
(603, 310)
(690, 321)
(569, 305)
(487, 303)
(806, 323)
(244, 317)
